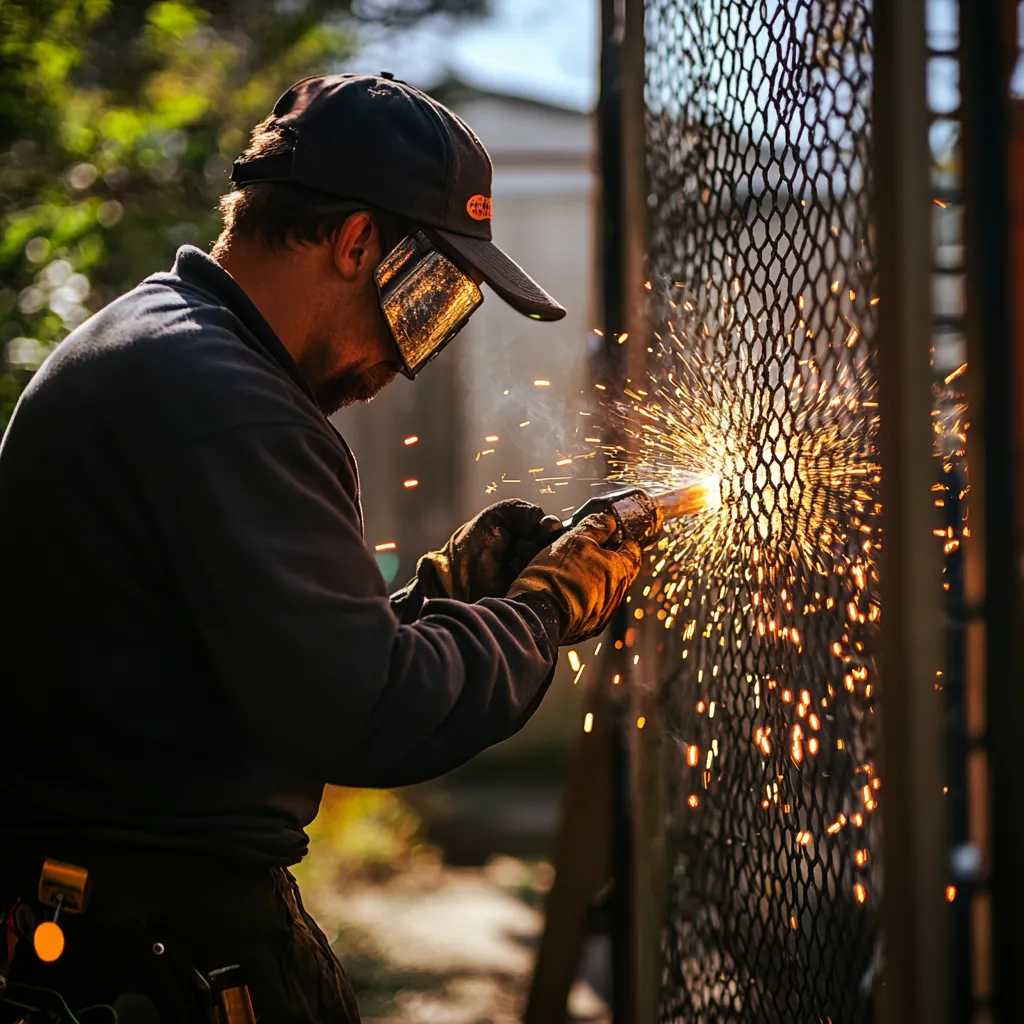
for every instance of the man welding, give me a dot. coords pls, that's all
(196, 638)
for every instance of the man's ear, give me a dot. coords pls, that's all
(357, 247)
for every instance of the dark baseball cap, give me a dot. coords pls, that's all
(376, 139)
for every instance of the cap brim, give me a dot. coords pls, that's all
(504, 275)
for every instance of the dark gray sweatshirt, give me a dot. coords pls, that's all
(195, 638)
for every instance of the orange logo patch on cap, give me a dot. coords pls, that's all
(479, 207)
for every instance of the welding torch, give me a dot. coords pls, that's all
(640, 515)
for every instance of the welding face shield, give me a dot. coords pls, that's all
(426, 299)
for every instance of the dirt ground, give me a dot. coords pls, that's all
(443, 945)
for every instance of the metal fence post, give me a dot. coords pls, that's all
(994, 545)
(597, 825)
(645, 746)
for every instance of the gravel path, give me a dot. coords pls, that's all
(442, 945)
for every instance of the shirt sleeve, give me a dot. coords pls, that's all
(264, 544)
(407, 603)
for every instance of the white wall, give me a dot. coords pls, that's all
(543, 203)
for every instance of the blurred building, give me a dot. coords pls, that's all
(482, 386)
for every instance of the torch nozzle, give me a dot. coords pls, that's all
(641, 514)
(691, 498)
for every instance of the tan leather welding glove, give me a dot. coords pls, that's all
(586, 580)
(484, 556)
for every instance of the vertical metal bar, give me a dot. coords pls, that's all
(914, 843)
(956, 752)
(994, 495)
(609, 137)
(634, 185)
(636, 814)
(645, 747)
(613, 322)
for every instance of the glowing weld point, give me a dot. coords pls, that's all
(410, 440)
(408, 484)
(388, 545)
(795, 478)
(588, 721)
(540, 382)
(712, 491)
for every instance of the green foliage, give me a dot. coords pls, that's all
(367, 833)
(118, 126)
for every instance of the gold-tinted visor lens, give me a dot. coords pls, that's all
(426, 306)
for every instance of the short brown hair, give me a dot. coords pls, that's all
(278, 214)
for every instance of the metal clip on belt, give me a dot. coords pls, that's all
(230, 986)
(65, 887)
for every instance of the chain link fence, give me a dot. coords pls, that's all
(758, 133)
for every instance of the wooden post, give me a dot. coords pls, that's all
(582, 861)
(914, 828)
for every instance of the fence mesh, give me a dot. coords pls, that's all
(757, 149)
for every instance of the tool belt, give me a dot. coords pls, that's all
(95, 935)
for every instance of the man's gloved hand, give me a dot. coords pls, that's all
(586, 581)
(483, 557)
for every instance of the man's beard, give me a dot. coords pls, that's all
(347, 388)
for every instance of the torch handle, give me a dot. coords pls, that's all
(588, 508)
(640, 516)
(637, 514)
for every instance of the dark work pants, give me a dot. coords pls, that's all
(155, 917)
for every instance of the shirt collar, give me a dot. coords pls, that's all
(195, 267)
